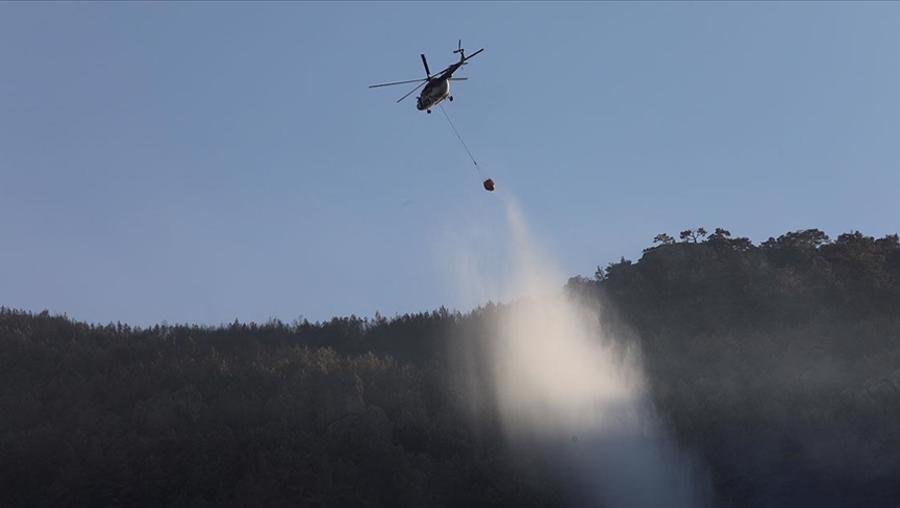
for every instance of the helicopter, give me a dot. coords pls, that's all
(437, 86)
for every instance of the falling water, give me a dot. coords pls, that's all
(565, 387)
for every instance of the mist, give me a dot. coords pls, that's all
(566, 389)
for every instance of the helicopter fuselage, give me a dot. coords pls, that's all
(434, 92)
(437, 89)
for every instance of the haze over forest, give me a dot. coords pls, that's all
(771, 370)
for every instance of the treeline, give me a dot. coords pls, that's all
(778, 363)
(244, 415)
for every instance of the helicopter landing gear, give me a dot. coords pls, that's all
(451, 98)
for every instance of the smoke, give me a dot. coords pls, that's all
(563, 387)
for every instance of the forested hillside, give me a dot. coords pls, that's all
(781, 361)
(778, 363)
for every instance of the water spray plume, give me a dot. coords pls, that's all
(563, 386)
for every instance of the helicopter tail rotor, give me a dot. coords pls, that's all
(459, 49)
(462, 52)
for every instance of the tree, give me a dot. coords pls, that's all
(720, 234)
(663, 238)
(694, 235)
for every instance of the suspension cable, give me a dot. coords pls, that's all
(460, 139)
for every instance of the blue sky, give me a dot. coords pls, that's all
(204, 162)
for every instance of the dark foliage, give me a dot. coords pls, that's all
(779, 363)
(245, 415)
